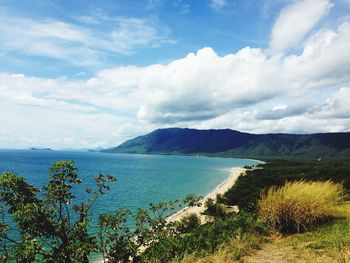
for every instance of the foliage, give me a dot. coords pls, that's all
(247, 189)
(207, 238)
(193, 200)
(230, 143)
(188, 223)
(49, 225)
(299, 205)
(232, 251)
(327, 243)
(119, 243)
(221, 199)
(210, 207)
(217, 209)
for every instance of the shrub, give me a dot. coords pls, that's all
(188, 223)
(51, 225)
(210, 206)
(215, 209)
(221, 199)
(298, 205)
(246, 191)
(222, 240)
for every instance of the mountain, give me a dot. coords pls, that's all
(230, 143)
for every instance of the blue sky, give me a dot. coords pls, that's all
(94, 73)
(180, 27)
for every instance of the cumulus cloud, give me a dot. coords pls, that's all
(79, 43)
(324, 60)
(205, 85)
(250, 90)
(294, 21)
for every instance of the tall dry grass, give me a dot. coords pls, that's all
(298, 205)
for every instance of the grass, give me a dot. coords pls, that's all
(298, 205)
(332, 239)
(328, 243)
(232, 251)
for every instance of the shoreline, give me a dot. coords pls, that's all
(223, 187)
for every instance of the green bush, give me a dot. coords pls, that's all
(209, 238)
(189, 223)
(215, 209)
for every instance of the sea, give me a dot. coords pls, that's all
(141, 179)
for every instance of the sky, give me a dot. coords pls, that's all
(86, 74)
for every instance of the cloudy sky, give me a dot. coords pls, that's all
(85, 74)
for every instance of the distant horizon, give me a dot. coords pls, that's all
(86, 75)
(112, 146)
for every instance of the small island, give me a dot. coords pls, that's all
(40, 149)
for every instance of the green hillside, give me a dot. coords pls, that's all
(230, 143)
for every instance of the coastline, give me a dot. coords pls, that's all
(223, 187)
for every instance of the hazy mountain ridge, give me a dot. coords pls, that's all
(232, 143)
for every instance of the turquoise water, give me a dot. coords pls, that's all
(141, 179)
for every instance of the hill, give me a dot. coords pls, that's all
(230, 143)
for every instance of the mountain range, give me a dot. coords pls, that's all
(231, 143)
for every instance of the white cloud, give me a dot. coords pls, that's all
(218, 4)
(323, 62)
(205, 85)
(294, 21)
(336, 106)
(249, 90)
(304, 122)
(79, 43)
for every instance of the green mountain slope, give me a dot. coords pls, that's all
(232, 143)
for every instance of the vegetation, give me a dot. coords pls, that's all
(152, 234)
(189, 223)
(327, 243)
(229, 143)
(212, 237)
(217, 209)
(248, 188)
(332, 239)
(49, 225)
(296, 206)
(294, 196)
(52, 228)
(231, 251)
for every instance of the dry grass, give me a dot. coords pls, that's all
(298, 205)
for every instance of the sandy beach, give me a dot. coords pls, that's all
(220, 189)
(235, 172)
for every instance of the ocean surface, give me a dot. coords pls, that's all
(141, 179)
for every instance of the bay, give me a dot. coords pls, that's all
(141, 179)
